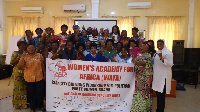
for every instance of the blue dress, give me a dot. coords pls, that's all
(99, 58)
(35, 41)
(82, 39)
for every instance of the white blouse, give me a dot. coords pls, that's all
(162, 71)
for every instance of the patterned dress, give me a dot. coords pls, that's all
(19, 99)
(125, 42)
(109, 55)
(48, 39)
(135, 52)
(142, 98)
(62, 38)
(96, 40)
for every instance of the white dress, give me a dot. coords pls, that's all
(118, 59)
(116, 37)
(26, 39)
(162, 71)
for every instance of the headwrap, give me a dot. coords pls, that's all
(148, 44)
(106, 28)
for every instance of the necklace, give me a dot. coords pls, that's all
(109, 51)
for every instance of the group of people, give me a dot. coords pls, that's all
(152, 69)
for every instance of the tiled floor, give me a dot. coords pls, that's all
(186, 101)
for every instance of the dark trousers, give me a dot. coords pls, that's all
(161, 100)
(35, 94)
(44, 93)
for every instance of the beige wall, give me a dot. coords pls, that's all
(159, 8)
(196, 41)
(51, 8)
(54, 8)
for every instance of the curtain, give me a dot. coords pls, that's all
(124, 23)
(59, 21)
(167, 28)
(21, 24)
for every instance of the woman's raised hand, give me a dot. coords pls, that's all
(24, 54)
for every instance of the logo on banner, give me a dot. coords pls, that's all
(59, 69)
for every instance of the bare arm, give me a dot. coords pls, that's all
(141, 63)
(43, 39)
(15, 61)
(138, 63)
(56, 55)
(21, 63)
(113, 59)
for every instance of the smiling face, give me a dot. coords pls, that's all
(115, 30)
(109, 45)
(69, 46)
(28, 33)
(124, 34)
(88, 44)
(48, 31)
(22, 47)
(80, 49)
(40, 49)
(54, 46)
(31, 49)
(160, 45)
(93, 50)
(84, 34)
(143, 48)
(119, 46)
(132, 44)
(64, 29)
(134, 32)
(48, 45)
(124, 52)
(38, 32)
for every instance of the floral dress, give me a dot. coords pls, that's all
(48, 39)
(62, 38)
(142, 98)
(19, 99)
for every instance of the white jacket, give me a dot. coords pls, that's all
(162, 71)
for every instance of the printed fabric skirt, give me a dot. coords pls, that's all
(19, 100)
(139, 104)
